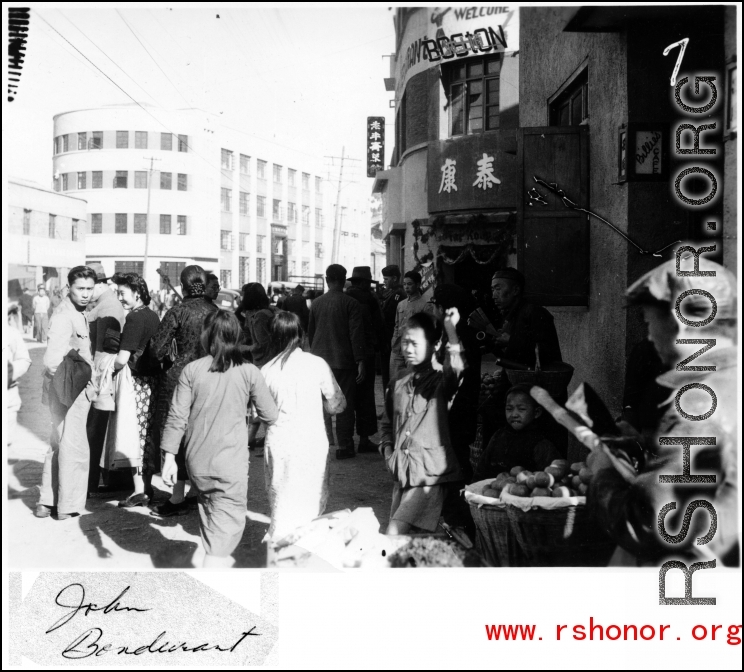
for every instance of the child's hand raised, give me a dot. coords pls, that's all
(451, 318)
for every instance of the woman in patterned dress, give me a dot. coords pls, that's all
(140, 326)
(177, 341)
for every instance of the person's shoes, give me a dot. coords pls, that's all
(65, 516)
(366, 445)
(44, 511)
(167, 509)
(345, 453)
(139, 499)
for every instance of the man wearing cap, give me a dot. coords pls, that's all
(630, 504)
(392, 295)
(297, 304)
(41, 314)
(336, 333)
(106, 319)
(365, 409)
(414, 303)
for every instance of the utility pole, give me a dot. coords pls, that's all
(336, 224)
(147, 216)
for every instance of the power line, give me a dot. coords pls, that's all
(136, 102)
(178, 91)
(107, 56)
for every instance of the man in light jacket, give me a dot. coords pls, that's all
(64, 481)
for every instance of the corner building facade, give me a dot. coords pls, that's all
(579, 98)
(248, 210)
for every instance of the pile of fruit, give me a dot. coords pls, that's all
(557, 480)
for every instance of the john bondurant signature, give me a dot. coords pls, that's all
(72, 597)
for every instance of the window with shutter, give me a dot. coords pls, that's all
(553, 240)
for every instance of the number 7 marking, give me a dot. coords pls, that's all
(683, 44)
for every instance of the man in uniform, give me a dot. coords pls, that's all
(630, 504)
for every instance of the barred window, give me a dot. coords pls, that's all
(181, 225)
(225, 240)
(81, 180)
(96, 223)
(140, 139)
(166, 180)
(166, 141)
(140, 223)
(165, 224)
(97, 179)
(182, 182)
(140, 179)
(120, 225)
(244, 269)
(122, 139)
(226, 198)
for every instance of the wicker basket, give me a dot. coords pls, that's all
(554, 378)
(563, 537)
(476, 448)
(494, 537)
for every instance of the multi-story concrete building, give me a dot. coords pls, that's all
(46, 236)
(246, 208)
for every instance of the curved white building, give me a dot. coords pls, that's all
(244, 208)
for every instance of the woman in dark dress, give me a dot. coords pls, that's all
(140, 326)
(178, 340)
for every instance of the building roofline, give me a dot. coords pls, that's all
(29, 185)
(127, 106)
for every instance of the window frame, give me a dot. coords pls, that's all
(277, 173)
(226, 240)
(305, 181)
(261, 169)
(52, 231)
(245, 162)
(457, 74)
(26, 222)
(96, 140)
(225, 199)
(166, 145)
(261, 206)
(121, 175)
(96, 183)
(139, 175)
(96, 222)
(122, 139)
(138, 135)
(226, 157)
(182, 225)
(166, 178)
(74, 230)
(183, 143)
(244, 202)
(577, 83)
(82, 139)
(137, 223)
(117, 223)
(182, 182)
(166, 223)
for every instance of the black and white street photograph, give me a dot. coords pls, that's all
(349, 288)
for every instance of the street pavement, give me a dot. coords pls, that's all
(107, 537)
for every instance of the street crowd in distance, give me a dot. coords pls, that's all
(140, 383)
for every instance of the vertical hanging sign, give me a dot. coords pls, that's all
(375, 145)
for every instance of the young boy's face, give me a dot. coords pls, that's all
(416, 349)
(521, 411)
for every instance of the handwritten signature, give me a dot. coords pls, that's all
(72, 599)
(90, 638)
(75, 593)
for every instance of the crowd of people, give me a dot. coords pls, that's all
(189, 395)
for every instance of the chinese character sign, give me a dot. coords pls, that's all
(375, 145)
